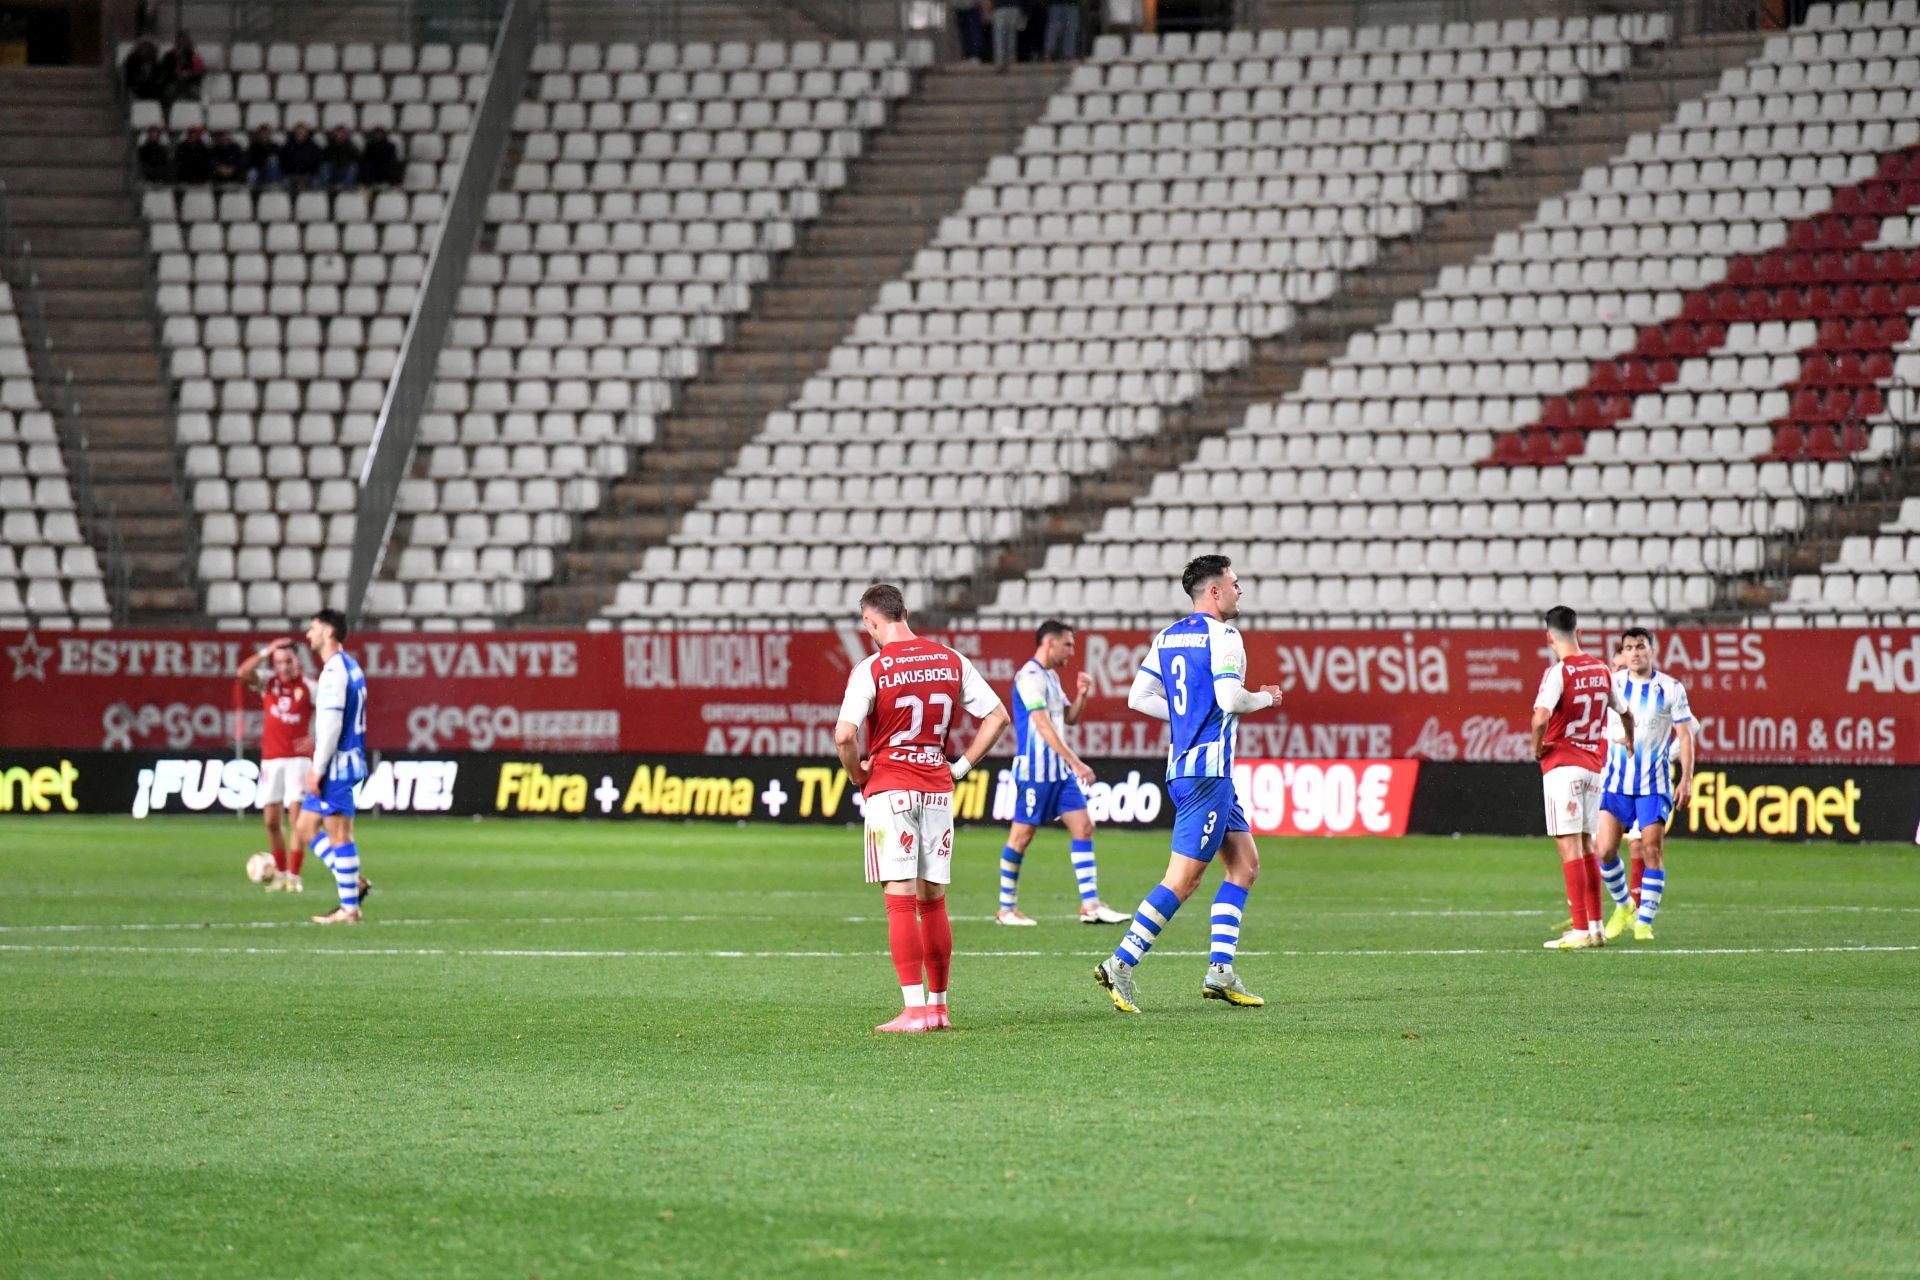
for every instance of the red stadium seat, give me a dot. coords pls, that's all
(1787, 443)
(1823, 445)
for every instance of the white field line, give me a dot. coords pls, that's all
(657, 954)
(1280, 910)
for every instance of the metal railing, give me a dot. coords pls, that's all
(54, 386)
(390, 453)
(591, 21)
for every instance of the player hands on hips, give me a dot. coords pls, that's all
(1048, 775)
(905, 698)
(1569, 736)
(286, 742)
(1194, 678)
(339, 764)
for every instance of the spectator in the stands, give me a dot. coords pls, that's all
(193, 158)
(300, 158)
(142, 71)
(970, 28)
(340, 165)
(156, 157)
(1008, 19)
(263, 159)
(181, 70)
(380, 165)
(229, 159)
(1063, 30)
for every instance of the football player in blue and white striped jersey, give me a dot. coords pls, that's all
(1638, 787)
(1194, 678)
(1048, 775)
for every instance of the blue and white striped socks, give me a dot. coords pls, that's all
(1010, 860)
(1228, 906)
(1084, 872)
(1155, 910)
(1614, 876)
(346, 873)
(1653, 882)
(321, 848)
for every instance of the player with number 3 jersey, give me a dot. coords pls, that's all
(905, 697)
(1194, 678)
(1570, 742)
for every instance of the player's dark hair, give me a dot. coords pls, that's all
(884, 599)
(1201, 570)
(1051, 627)
(1563, 620)
(1636, 633)
(336, 621)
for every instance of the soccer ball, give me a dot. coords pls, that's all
(260, 868)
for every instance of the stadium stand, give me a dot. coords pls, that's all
(1179, 201)
(1744, 266)
(653, 187)
(49, 575)
(283, 310)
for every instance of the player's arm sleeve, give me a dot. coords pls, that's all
(1229, 653)
(1148, 696)
(1030, 687)
(1552, 685)
(329, 714)
(858, 704)
(1682, 708)
(976, 695)
(1235, 698)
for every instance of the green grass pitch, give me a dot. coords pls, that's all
(600, 1050)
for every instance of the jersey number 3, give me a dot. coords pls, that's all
(1177, 668)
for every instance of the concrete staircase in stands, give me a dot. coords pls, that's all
(65, 154)
(1642, 98)
(914, 173)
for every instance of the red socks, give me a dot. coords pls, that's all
(936, 937)
(1596, 890)
(1635, 869)
(903, 938)
(295, 853)
(279, 859)
(1575, 874)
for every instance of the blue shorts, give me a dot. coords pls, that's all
(1637, 811)
(1038, 803)
(1204, 810)
(336, 798)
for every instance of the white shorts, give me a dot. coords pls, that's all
(910, 836)
(283, 781)
(1573, 800)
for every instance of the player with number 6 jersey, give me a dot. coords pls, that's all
(905, 698)
(1570, 742)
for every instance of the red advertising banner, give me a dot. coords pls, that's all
(1326, 797)
(1839, 696)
